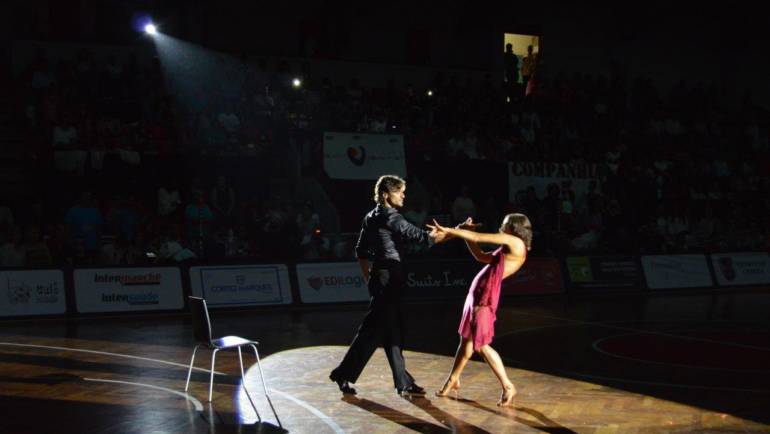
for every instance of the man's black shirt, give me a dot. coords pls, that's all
(383, 232)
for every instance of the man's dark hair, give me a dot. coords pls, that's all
(387, 184)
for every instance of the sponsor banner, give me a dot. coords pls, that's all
(241, 285)
(676, 271)
(747, 268)
(127, 289)
(331, 282)
(522, 174)
(363, 156)
(32, 292)
(440, 279)
(536, 276)
(604, 272)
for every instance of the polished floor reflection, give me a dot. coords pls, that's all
(683, 362)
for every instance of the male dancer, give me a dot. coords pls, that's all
(383, 232)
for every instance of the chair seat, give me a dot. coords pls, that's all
(231, 342)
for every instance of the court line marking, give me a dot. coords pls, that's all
(653, 383)
(598, 349)
(105, 353)
(632, 330)
(324, 418)
(196, 403)
(617, 379)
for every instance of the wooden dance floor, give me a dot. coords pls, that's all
(670, 363)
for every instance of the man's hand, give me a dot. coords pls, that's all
(438, 232)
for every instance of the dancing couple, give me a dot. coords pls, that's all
(383, 232)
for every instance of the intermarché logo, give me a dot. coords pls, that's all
(128, 279)
(131, 299)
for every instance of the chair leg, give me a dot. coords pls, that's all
(264, 385)
(245, 389)
(211, 378)
(189, 371)
(240, 359)
(259, 366)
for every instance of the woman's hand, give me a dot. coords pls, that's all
(468, 224)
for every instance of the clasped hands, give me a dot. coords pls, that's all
(441, 233)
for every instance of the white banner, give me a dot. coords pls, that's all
(331, 282)
(749, 268)
(128, 289)
(676, 271)
(241, 285)
(363, 156)
(522, 174)
(32, 292)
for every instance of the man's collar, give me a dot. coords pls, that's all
(383, 208)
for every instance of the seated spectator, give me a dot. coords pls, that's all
(343, 247)
(169, 198)
(12, 252)
(198, 218)
(6, 218)
(171, 249)
(84, 227)
(223, 199)
(64, 133)
(36, 251)
(317, 248)
(308, 222)
(587, 241)
(125, 217)
(122, 251)
(704, 230)
(463, 206)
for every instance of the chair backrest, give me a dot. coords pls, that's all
(200, 319)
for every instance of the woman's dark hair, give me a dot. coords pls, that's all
(387, 184)
(520, 226)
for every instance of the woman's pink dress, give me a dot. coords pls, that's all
(484, 292)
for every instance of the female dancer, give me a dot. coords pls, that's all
(477, 324)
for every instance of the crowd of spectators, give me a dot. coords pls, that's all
(115, 149)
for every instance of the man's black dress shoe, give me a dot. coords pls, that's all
(412, 389)
(342, 384)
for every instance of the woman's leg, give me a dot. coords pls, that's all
(464, 353)
(494, 362)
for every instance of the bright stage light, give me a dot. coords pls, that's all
(296, 83)
(150, 29)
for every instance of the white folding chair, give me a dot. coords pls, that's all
(203, 337)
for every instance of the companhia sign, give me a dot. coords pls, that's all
(523, 174)
(331, 282)
(127, 289)
(32, 292)
(241, 285)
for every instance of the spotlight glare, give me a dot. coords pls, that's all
(296, 82)
(430, 92)
(151, 29)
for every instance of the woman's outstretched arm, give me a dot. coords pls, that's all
(478, 254)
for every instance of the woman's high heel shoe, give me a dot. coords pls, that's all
(449, 387)
(506, 398)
